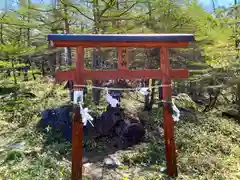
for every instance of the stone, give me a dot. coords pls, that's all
(160, 131)
(20, 145)
(94, 171)
(59, 120)
(232, 113)
(111, 162)
(187, 114)
(186, 106)
(85, 160)
(183, 100)
(132, 134)
(107, 121)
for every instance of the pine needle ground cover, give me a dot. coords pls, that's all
(208, 148)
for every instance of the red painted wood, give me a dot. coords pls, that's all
(122, 58)
(79, 59)
(132, 74)
(77, 130)
(179, 73)
(77, 138)
(87, 44)
(64, 75)
(168, 120)
(79, 75)
(123, 74)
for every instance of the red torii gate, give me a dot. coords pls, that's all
(122, 41)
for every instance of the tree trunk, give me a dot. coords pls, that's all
(69, 50)
(42, 67)
(67, 31)
(1, 33)
(96, 93)
(238, 95)
(53, 56)
(160, 95)
(152, 96)
(29, 44)
(14, 71)
(146, 98)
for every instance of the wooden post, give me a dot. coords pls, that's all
(77, 134)
(168, 120)
(77, 125)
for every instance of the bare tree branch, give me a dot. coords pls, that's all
(108, 6)
(76, 8)
(40, 10)
(121, 14)
(124, 12)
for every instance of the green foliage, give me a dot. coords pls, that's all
(208, 148)
(15, 48)
(19, 100)
(205, 150)
(14, 156)
(21, 111)
(152, 154)
(8, 65)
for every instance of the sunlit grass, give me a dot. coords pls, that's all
(206, 149)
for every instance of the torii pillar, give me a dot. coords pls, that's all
(122, 41)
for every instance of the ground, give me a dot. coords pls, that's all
(207, 148)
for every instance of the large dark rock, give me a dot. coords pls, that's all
(132, 134)
(110, 123)
(232, 113)
(188, 114)
(59, 120)
(129, 133)
(106, 123)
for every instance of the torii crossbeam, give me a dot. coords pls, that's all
(122, 41)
